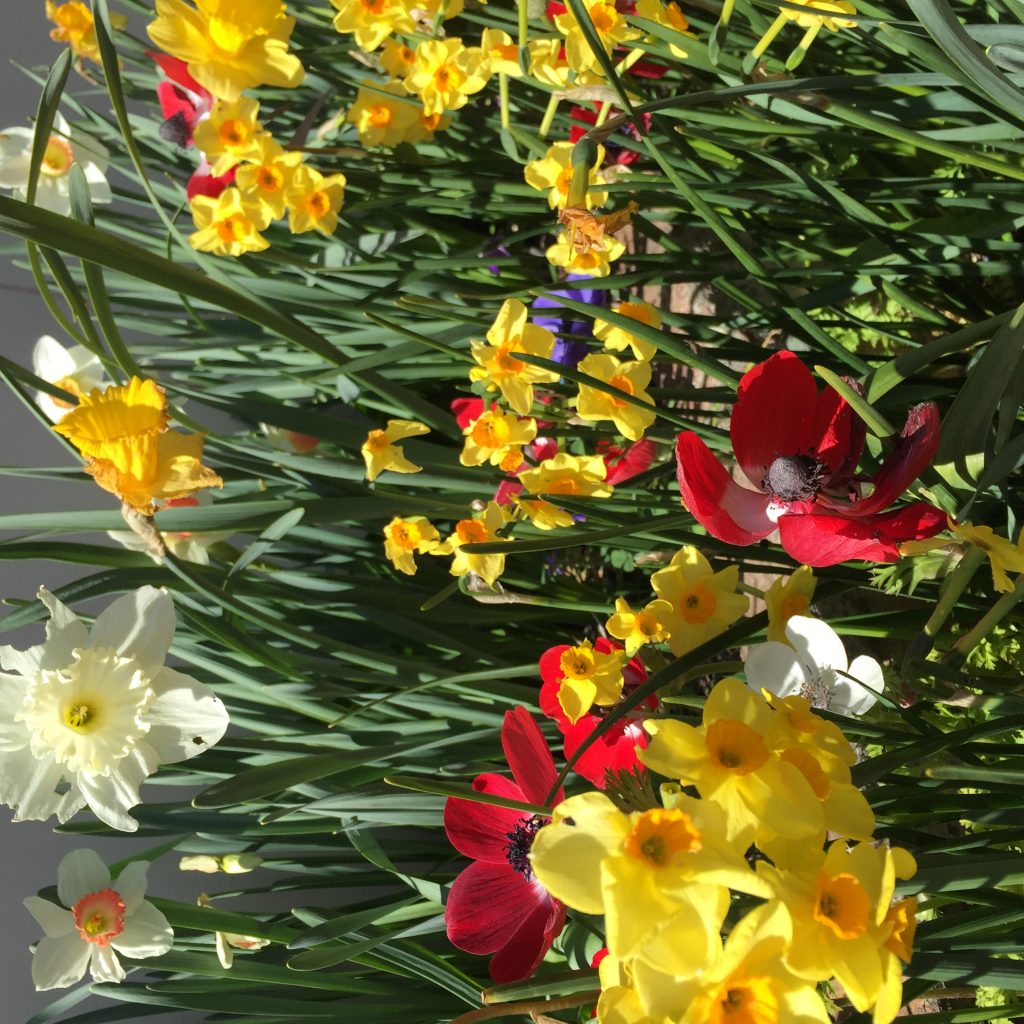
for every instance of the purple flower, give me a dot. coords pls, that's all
(569, 351)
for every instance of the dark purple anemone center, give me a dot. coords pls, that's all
(520, 840)
(794, 478)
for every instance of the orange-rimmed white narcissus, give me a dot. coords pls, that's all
(103, 918)
(87, 716)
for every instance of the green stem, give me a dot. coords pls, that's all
(958, 655)
(549, 116)
(503, 99)
(524, 22)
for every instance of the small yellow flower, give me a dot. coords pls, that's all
(618, 339)
(612, 28)
(818, 14)
(703, 603)
(497, 365)
(264, 181)
(553, 173)
(481, 529)
(789, 598)
(446, 74)
(637, 628)
(122, 433)
(313, 201)
(228, 225)
(588, 678)
(229, 135)
(384, 114)
(577, 476)
(404, 538)
(631, 378)
(229, 46)
(1003, 555)
(75, 26)
(501, 53)
(397, 59)
(497, 437)
(371, 21)
(595, 263)
(547, 62)
(668, 15)
(428, 124)
(380, 450)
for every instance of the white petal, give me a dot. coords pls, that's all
(53, 195)
(80, 873)
(776, 668)
(99, 187)
(131, 884)
(59, 963)
(816, 643)
(88, 150)
(146, 933)
(25, 663)
(186, 717)
(105, 966)
(51, 360)
(64, 632)
(13, 735)
(87, 364)
(37, 787)
(55, 921)
(49, 408)
(139, 625)
(225, 954)
(15, 157)
(849, 698)
(111, 797)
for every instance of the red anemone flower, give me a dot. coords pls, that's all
(497, 905)
(800, 449)
(204, 183)
(623, 464)
(183, 100)
(615, 750)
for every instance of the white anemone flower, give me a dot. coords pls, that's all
(103, 919)
(816, 667)
(91, 715)
(75, 370)
(64, 148)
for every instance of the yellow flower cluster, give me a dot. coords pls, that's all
(770, 774)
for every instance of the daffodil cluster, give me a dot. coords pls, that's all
(760, 836)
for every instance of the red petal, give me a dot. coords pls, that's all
(466, 410)
(726, 510)
(486, 903)
(774, 414)
(912, 455)
(174, 100)
(551, 673)
(821, 539)
(177, 71)
(522, 953)
(838, 434)
(481, 831)
(529, 757)
(544, 448)
(209, 184)
(615, 750)
(630, 463)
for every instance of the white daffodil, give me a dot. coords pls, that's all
(105, 918)
(75, 370)
(815, 666)
(64, 148)
(90, 716)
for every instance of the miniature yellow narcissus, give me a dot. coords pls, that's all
(384, 114)
(589, 677)
(313, 201)
(668, 15)
(497, 365)
(496, 436)
(593, 263)
(371, 21)
(784, 599)
(553, 173)
(397, 59)
(264, 181)
(501, 53)
(76, 27)
(446, 74)
(229, 135)
(637, 628)
(228, 225)
(481, 529)
(578, 476)
(1003, 555)
(631, 378)
(229, 46)
(618, 339)
(381, 451)
(703, 602)
(612, 28)
(406, 537)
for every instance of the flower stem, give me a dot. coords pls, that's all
(503, 98)
(549, 116)
(958, 655)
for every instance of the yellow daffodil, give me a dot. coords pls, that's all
(646, 872)
(594, 263)
(543, 514)
(588, 678)
(579, 476)
(703, 602)
(631, 378)
(264, 181)
(796, 725)
(670, 16)
(548, 63)
(637, 628)
(371, 21)
(497, 366)
(786, 598)
(428, 124)
(839, 905)
(397, 59)
(501, 53)
(404, 538)
(553, 173)
(618, 339)
(75, 26)
(384, 114)
(229, 46)
(229, 135)
(122, 433)
(1003, 555)
(381, 451)
(612, 28)
(228, 225)
(729, 762)
(481, 529)
(497, 437)
(313, 201)
(446, 74)
(818, 14)
(901, 924)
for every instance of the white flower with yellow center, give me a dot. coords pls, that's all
(63, 149)
(75, 370)
(90, 716)
(105, 918)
